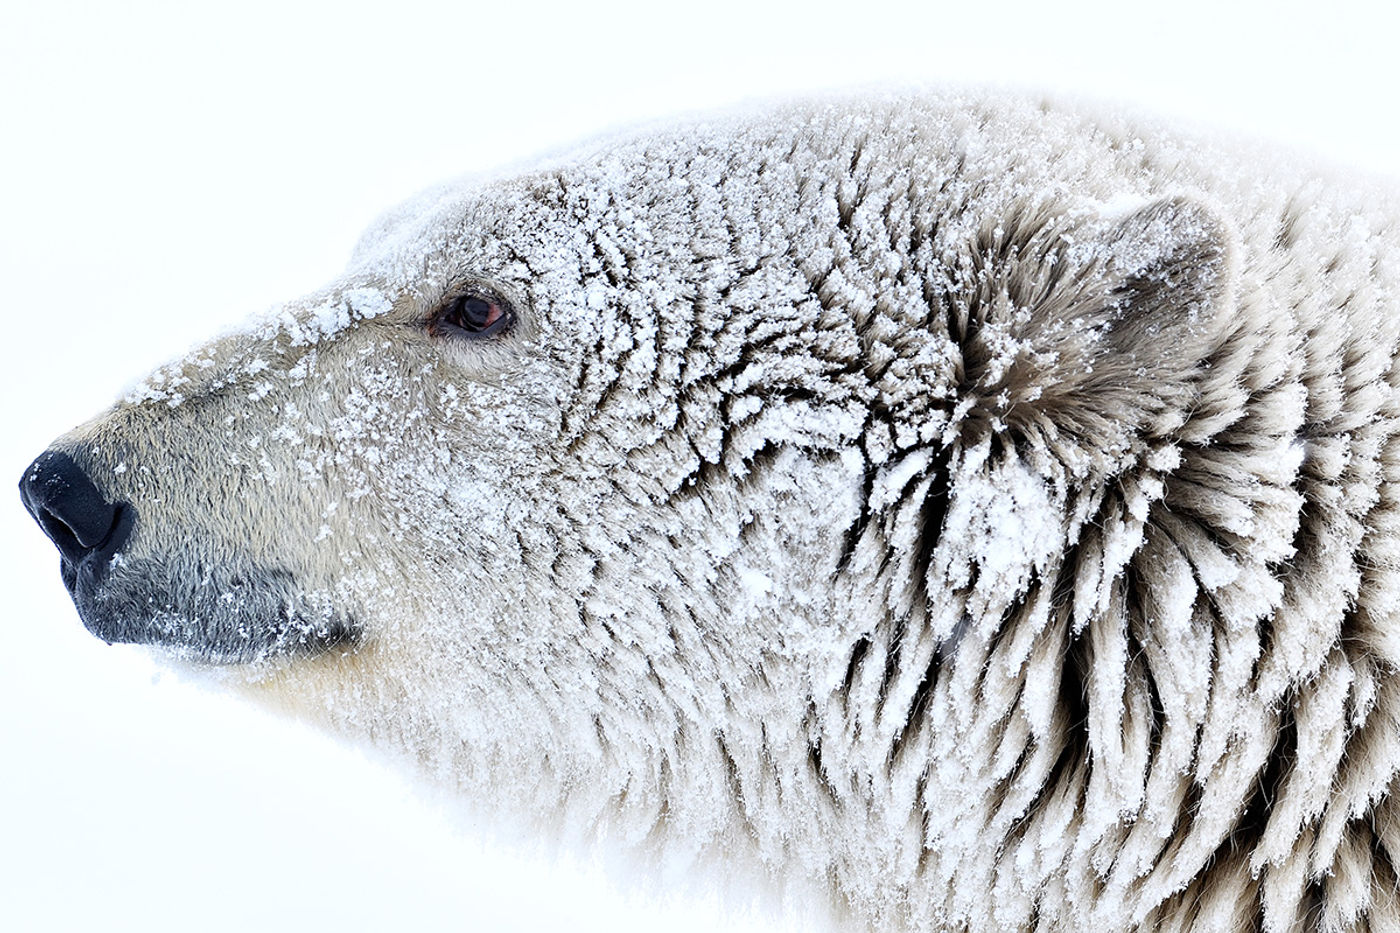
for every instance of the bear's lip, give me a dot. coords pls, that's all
(88, 571)
(146, 602)
(84, 577)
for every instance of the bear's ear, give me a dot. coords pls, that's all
(1160, 300)
(1171, 269)
(1090, 331)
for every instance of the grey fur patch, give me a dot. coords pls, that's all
(215, 615)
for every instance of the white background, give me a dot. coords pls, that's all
(166, 170)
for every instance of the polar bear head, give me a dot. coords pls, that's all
(682, 471)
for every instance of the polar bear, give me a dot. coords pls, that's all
(982, 510)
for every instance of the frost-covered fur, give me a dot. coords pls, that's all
(985, 510)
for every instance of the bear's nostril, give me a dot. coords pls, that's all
(69, 507)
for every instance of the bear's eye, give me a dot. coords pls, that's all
(471, 315)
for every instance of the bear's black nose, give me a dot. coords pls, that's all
(67, 505)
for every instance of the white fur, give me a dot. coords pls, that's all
(981, 510)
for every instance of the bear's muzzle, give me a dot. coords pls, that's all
(220, 611)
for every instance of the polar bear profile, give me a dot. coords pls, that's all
(985, 510)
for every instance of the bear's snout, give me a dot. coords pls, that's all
(87, 529)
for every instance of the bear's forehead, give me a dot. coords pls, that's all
(549, 210)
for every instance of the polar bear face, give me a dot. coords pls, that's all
(373, 472)
(262, 481)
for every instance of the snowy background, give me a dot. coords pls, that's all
(166, 170)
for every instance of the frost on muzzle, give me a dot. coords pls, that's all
(213, 612)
